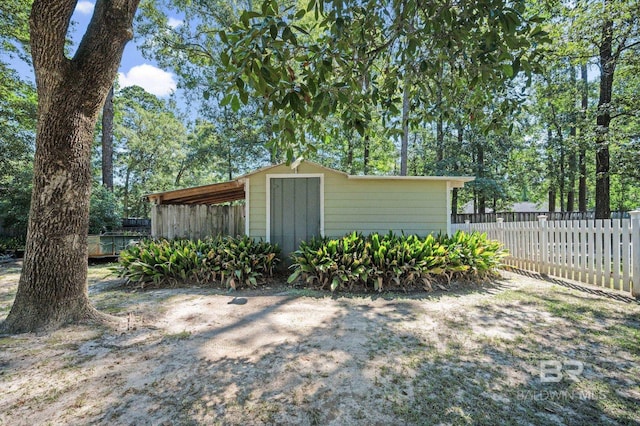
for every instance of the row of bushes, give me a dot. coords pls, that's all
(390, 261)
(232, 262)
(375, 262)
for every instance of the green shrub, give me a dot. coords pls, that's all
(233, 262)
(15, 199)
(9, 245)
(390, 261)
(103, 212)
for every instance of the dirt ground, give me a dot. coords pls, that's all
(291, 356)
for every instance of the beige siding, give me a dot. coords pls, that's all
(409, 206)
(257, 204)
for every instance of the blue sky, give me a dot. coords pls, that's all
(134, 69)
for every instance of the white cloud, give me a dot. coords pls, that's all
(85, 7)
(152, 79)
(174, 22)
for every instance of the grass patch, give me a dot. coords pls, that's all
(469, 377)
(178, 336)
(626, 337)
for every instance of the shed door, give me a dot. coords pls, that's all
(295, 211)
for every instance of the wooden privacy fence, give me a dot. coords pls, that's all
(604, 253)
(196, 221)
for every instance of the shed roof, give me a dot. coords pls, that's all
(234, 190)
(207, 194)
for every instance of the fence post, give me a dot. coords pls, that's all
(500, 229)
(467, 226)
(154, 220)
(635, 252)
(544, 245)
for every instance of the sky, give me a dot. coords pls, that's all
(134, 69)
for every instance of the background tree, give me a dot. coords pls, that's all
(151, 143)
(107, 141)
(308, 70)
(17, 118)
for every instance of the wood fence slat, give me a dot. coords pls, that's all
(553, 249)
(562, 250)
(577, 267)
(607, 256)
(616, 246)
(598, 260)
(196, 221)
(626, 256)
(584, 234)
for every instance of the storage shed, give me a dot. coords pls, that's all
(286, 204)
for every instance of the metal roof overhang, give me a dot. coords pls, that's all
(216, 193)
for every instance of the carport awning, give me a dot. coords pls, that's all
(216, 193)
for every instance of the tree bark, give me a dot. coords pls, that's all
(558, 179)
(107, 142)
(349, 161)
(125, 195)
(573, 160)
(607, 69)
(404, 144)
(552, 200)
(365, 154)
(480, 162)
(571, 192)
(551, 172)
(439, 127)
(582, 155)
(440, 145)
(454, 192)
(53, 285)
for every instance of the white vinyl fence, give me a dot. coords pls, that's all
(605, 253)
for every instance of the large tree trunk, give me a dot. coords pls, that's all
(607, 69)
(53, 286)
(107, 142)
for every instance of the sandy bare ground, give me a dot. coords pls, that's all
(290, 356)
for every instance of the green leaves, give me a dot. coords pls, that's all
(385, 262)
(308, 67)
(233, 262)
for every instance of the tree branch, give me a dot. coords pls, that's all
(624, 113)
(102, 45)
(49, 23)
(627, 47)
